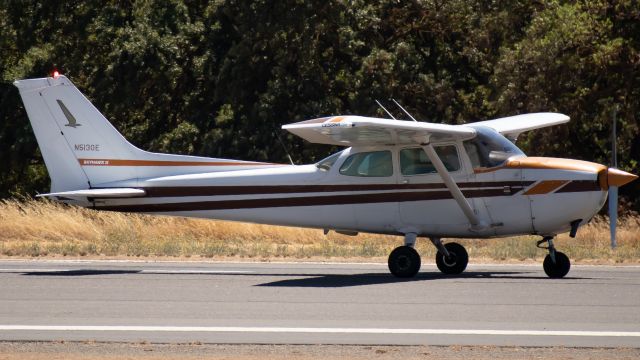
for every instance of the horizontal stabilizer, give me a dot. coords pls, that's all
(97, 193)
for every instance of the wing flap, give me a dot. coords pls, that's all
(363, 131)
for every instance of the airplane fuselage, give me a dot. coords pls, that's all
(525, 196)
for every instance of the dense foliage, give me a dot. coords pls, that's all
(219, 78)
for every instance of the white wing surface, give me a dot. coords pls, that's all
(362, 131)
(513, 126)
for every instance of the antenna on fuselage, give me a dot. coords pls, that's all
(405, 111)
(385, 110)
(283, 147)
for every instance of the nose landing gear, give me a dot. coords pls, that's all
(556, 265)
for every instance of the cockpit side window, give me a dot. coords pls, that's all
(489, 148)
(414, 161)
(368, 164)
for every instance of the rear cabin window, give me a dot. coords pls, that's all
(414, 161)
(368, 164)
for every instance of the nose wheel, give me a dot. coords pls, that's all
(556, 264)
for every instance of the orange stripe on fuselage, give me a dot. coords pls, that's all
(119, 162)
(336, 119)
(545, 187)
(546, 164)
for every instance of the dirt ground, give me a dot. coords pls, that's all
(147, 351)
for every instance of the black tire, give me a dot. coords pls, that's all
(456, 263)
(559, 269)
(404, 262)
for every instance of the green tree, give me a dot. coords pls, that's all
(220, 78)
(579, 59)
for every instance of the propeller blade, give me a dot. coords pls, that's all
(613, 214)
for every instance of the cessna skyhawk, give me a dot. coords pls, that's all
(406, 178)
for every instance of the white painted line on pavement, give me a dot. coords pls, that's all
(194, 262)
(232, 329)
(126, 271)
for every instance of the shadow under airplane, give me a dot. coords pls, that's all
(340, 280)
(316, 280)
(80, 272)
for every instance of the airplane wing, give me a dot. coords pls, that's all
(513, 126)
(97, 193)
(359, 130)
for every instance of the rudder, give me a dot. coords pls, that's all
(63, 167)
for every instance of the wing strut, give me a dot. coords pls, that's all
(476, 223)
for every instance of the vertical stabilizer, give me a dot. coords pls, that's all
(64, 169)
(81, 148)
(71, 132)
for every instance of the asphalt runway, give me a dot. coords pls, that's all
(302, 303)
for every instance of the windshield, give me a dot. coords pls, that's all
(489, 148)
(326, 163)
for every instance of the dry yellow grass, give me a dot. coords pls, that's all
(35, 228)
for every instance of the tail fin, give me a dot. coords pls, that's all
(42, 99)
(81, 149)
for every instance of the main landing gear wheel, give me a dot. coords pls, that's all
(404, 262)
(556, 269)
(456, 262)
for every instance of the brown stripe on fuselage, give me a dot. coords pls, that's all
(545, 187)
(580, 186)
(120, 162)
(293, 189)
(492, 189)
(300, 201)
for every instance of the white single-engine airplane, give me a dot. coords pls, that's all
(412, 179)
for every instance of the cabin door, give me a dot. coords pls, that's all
(425, 203)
